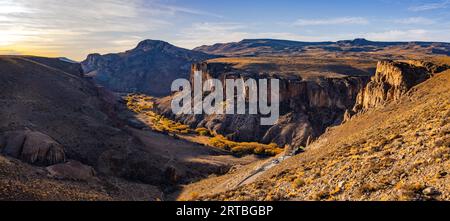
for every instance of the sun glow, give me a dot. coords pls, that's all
(9, 37)
(9, 34)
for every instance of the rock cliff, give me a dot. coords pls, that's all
(392, 80)
(307, 107)
(149, 68)
(398, 152)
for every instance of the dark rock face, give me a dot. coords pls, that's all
(307, 107)
(149, 68)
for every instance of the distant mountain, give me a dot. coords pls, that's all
(149, 68)
(247, 46)
(270, 47)
(152, 66)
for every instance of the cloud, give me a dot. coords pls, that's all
(74, 28)
(400, 35)
(210, 33)
(176, 9)
(332, 21)
(414, 21)
(430, 6)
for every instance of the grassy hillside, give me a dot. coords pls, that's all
(399, 152)
(50, 96)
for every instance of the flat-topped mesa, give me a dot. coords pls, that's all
(392, 80)
(307, 107)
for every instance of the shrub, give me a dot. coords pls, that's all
(194, 195)
(186, 131)
(203, 131)
(242, 150)
(218, 141)
(299, 182)
(259, 150)
(274, 152)
(245, 148)
(143, 104)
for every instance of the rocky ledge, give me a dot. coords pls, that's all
(391, 81)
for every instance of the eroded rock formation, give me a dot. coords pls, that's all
(392, 80)
(307, 107)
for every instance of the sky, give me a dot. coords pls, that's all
(75, 28)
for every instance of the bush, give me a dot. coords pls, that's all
(203, 131)
(143, 104)
(242, 150)
(245, 148)
(220, 141)
(184, 131)
(299, 182)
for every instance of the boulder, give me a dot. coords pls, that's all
(41, 149)
(72, 170)
(33, 147)
(13, 143)
(430, 191)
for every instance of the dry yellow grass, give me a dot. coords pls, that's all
(399, 152)
(303, 66)
(142, 104)
(243, 148)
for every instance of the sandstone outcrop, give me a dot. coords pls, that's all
(387, 154)
(392, 80)
(307, 106)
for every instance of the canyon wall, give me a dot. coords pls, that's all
(307, 107)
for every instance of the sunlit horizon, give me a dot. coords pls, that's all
(74, 29)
